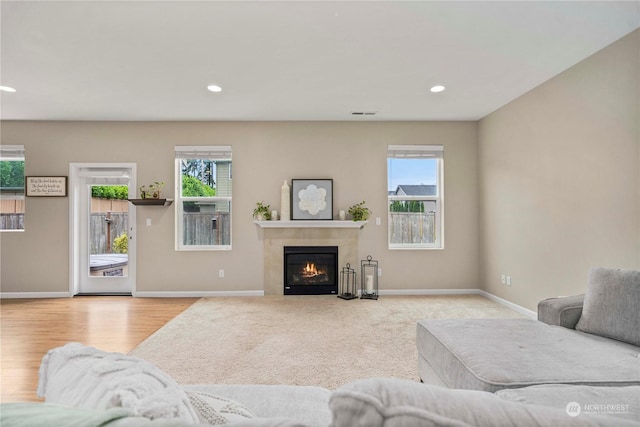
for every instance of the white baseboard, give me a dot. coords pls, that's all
(197, 294)
(25, 295)
(515, 307)
(409, 292)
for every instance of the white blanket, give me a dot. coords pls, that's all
(85, 377)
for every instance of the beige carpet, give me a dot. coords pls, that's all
(301, 340)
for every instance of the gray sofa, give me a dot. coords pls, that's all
(371, 402)
(582, 349)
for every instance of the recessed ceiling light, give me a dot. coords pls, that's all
(437, 88)
(214, 88)
(7, 89)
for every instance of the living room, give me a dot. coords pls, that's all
(541, 188)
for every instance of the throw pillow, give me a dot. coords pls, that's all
(612, 305)
(85, 377)
(216, 410)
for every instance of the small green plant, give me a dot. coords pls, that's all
(151, 191)
(121, 244)
(359, 212)
(262, 212)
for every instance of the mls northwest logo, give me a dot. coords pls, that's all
(573, 409)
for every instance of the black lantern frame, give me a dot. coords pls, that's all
(348, 289)
(369, 278)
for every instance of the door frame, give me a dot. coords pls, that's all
(74, 222)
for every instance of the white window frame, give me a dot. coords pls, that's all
(212, 152)
(13, 153)
(420, 152)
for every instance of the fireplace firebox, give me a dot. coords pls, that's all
(310, 270)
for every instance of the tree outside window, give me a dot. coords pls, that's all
(203, 198)
(12, 202)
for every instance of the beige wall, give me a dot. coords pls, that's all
(264, 154)
(560, 179)
(540, 190)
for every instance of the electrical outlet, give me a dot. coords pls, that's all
(508, 280)
(148, 222)
(379, 272)
(220, 273)
(504, 279)
(378, 221)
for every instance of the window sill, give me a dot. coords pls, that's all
(416, 248)
(311, 224)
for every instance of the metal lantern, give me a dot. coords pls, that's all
(348, 283)
(369, 278)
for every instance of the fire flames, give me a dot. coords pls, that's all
(310, 269)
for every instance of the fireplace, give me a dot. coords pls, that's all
(310, 270)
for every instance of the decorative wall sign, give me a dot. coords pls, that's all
(46, 186)
(312, 199)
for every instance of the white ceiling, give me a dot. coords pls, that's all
(291, 60)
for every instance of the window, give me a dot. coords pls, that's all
(203, 197)
(415, 191)
(12, 188)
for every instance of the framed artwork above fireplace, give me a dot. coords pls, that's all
(312, 199)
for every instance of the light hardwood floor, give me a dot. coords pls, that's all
(31, 327)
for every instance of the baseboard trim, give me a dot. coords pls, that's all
(515, 307)
(410, 292)
(27, 295)
(197, 294)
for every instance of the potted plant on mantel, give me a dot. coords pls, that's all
(359, 212)
(262, 212)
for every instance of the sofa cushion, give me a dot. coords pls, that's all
(623, 402)
(85, 377)
(612, 305)
(492, 354)
(380, 402)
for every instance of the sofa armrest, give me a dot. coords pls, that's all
(561, 311)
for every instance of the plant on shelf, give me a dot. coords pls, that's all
(151, 191)
(262, 212)
(359, 212)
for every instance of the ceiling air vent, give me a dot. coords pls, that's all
(363, 113)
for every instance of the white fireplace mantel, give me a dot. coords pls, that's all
(311, 224)
(275, 235)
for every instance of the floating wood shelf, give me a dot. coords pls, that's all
(311, 224)
(151, 202)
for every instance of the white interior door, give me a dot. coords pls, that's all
(102, 229)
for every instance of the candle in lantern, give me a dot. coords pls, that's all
(369, 288)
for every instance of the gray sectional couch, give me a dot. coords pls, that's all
(583, 350)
